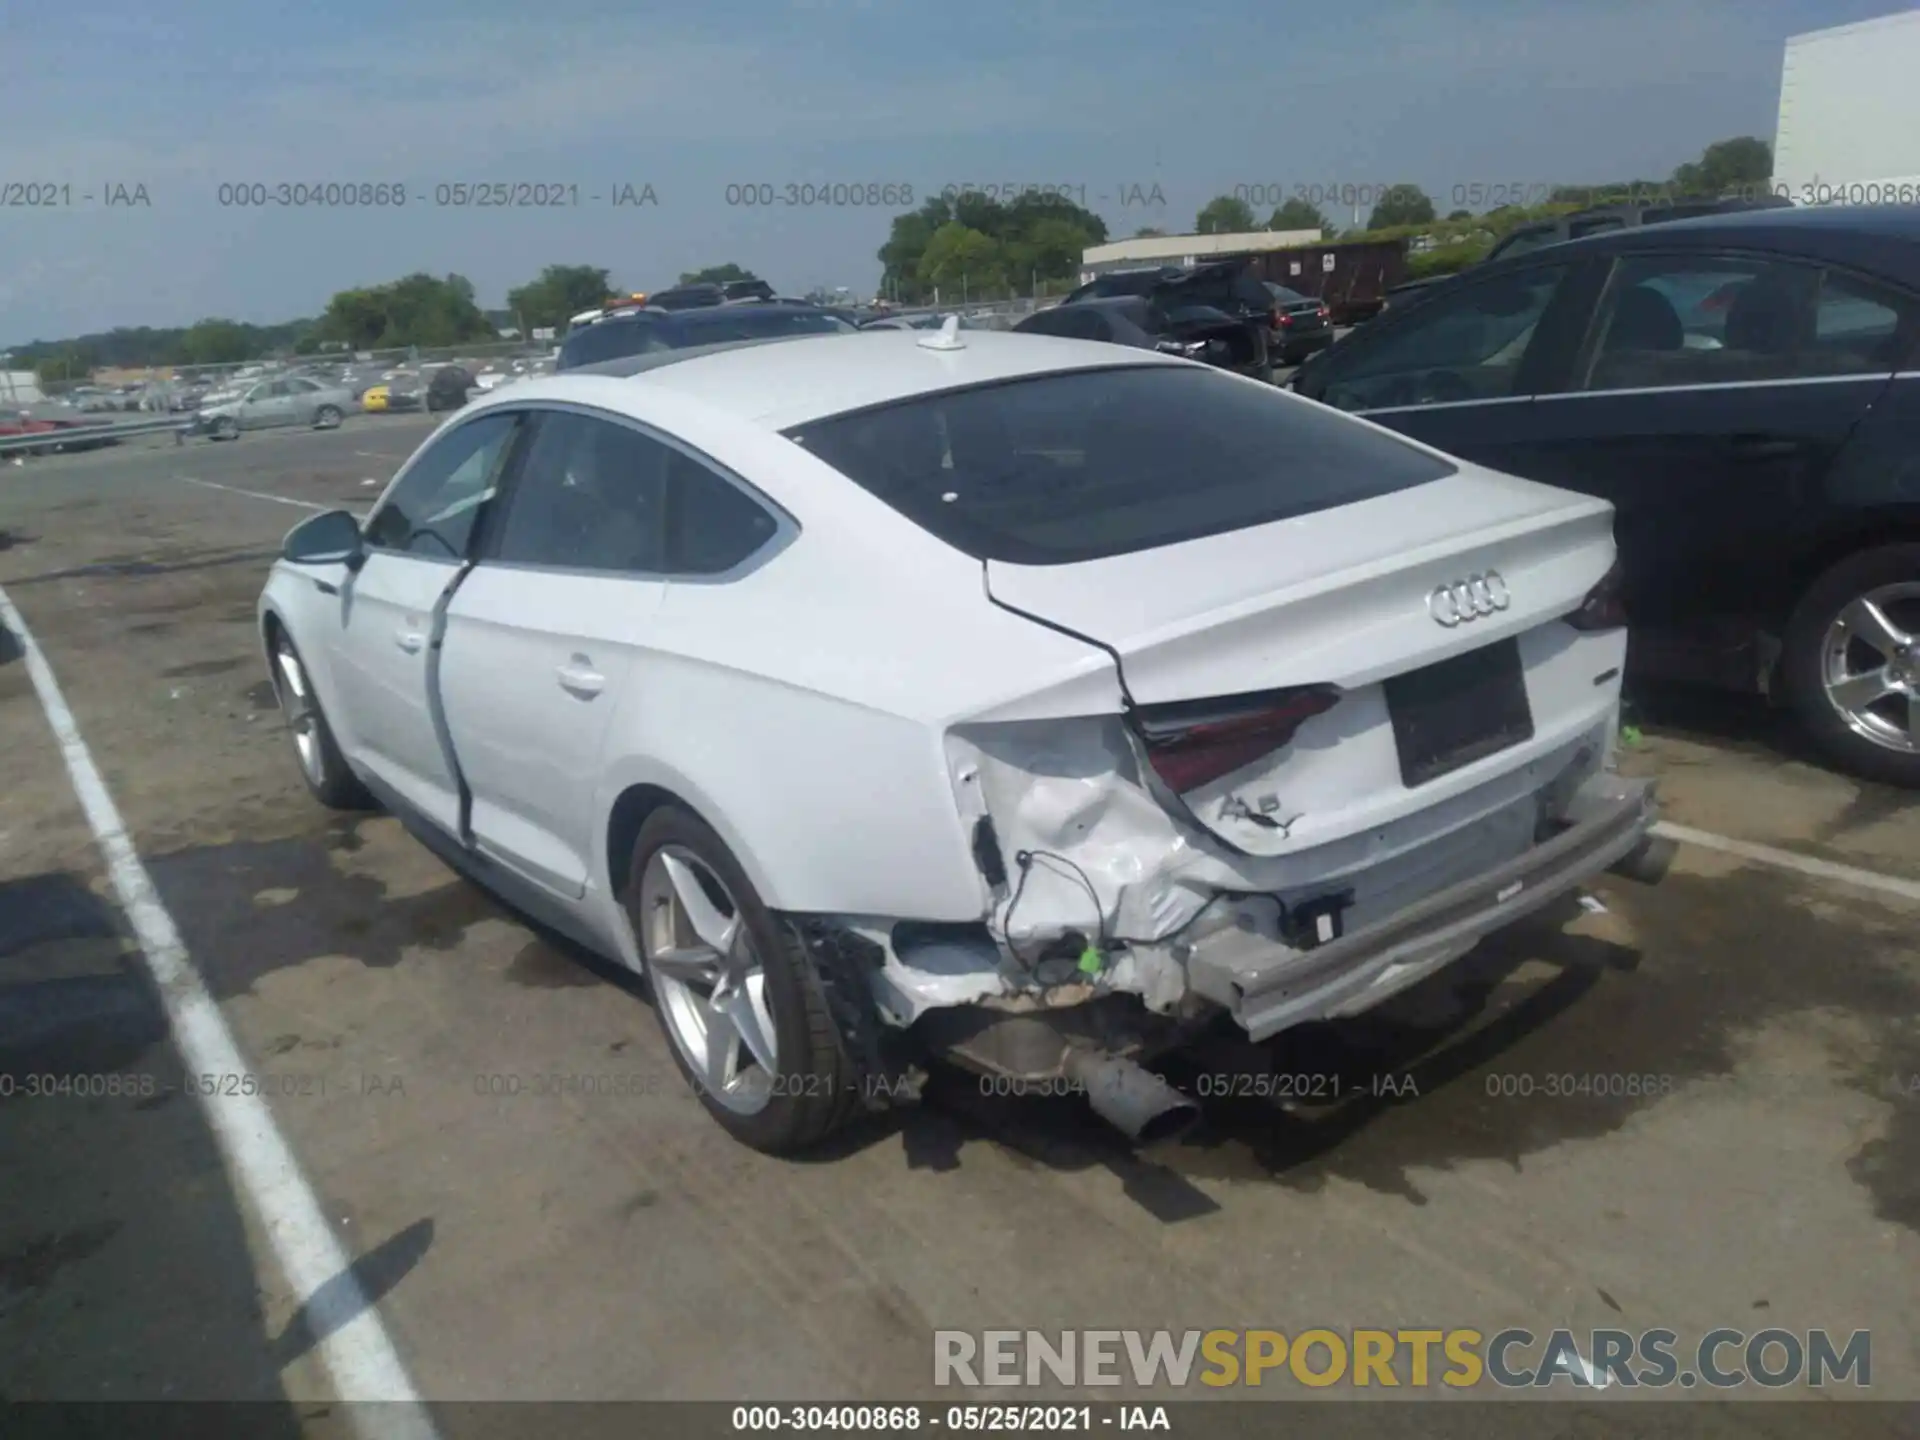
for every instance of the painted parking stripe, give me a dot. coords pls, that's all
(1787, 860)
(253, 494)
(358, 1354)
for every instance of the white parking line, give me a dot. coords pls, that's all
(354, 1345)
(254, 494)
(1787, 860)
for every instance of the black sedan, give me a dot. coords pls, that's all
(1198, 332)
(1744, 389)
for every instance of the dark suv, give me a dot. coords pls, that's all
(643, 329)
(1160, 322)
(1228, 286)
(1743, 389)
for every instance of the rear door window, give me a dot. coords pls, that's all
(590, 495)
(1056, 469)
(1679, 320)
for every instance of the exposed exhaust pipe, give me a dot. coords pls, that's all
(1647, 862)
(1134, 1101)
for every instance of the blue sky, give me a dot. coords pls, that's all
(690, 96)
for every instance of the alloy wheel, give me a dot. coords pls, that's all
(1870, 666)
(708, 979)
(297, 705)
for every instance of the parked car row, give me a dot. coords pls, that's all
(1743, 389)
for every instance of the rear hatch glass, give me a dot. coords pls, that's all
(1058, 469)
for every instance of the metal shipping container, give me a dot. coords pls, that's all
(1850, 114)
(1350, 277)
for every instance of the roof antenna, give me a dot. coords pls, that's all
(947, 338)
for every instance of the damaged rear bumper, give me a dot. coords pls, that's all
(1268, 987)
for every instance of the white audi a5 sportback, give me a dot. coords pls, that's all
(1017, 701)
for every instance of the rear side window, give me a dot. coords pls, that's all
(1062, 468)
(715, 525)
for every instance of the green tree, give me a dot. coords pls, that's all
(560, 292)
(1224, 215)
(961, 258)
(1299, 214)
(1402, 205)
(416, 310)
(717, 275)
(218, 342)
(1036, 238)
(1459, 215)
(1743, 163)
(1147, 232)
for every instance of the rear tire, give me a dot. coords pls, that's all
(1833, 638)
(322, 765)
(719, 968)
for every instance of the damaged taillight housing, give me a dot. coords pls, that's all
(1605, 607)
(1192, 742)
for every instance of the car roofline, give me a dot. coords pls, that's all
(627, 365)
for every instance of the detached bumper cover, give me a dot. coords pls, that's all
(1268, 987)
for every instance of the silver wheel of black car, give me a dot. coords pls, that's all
(1851, 662)
(1870, 666)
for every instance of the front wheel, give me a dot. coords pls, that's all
(743, 1010)
(226, 429)
(321, 764)
(1851, 663)
(326, 417)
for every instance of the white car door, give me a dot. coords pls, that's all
(381, 648)
(546, 640)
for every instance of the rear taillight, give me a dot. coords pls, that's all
(1605, 606)
(1195, 741)
(1325, 314)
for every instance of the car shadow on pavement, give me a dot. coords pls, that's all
(1723, 718)
(125, 1268)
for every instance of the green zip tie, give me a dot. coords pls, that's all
(1091, 961)
(1629, 734)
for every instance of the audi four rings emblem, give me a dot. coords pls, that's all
(1469, 599)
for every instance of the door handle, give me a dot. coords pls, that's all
(578, 677)
(1764, 447)
(410, 641)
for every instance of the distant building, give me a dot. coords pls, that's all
(20, 387)
(1187, 249)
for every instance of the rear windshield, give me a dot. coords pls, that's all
(1061, 468)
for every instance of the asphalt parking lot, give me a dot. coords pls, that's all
(565, 1243)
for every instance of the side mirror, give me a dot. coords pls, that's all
(332, 538)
